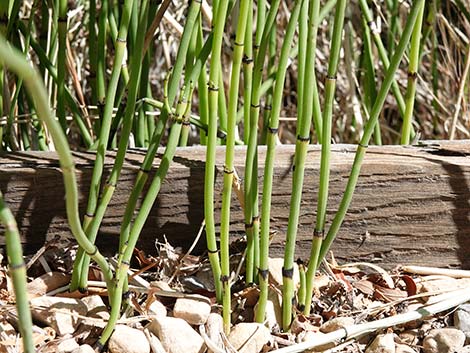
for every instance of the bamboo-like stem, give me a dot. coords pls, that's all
(15, 61)
(229, 158)
(251, 161)
(110, 186)
(209, 179)
(369, 128)
(160, 126)
(412, 77)
(182, 112)
(61, 66)
(302, 285)
(202, 91)
(330, 87)
(17, 270)
(383, 56)
(79, 278)
(270, 157)
(92, 49)
(303, 138)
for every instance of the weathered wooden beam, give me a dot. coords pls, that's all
(411, 206)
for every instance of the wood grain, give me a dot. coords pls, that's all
(411, 206)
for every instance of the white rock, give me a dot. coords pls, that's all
(465, 349)
(85, 348)
(249, 337)
(410, 337)
(403, 348)
(443, 285)
(157, 309)
(275, 271)
(67, 346)
(194, 311)
(383, 343)
(462, 319)
(46, 283)
(214, 327)
(336, 323)
(176, 335)
(126, 339)
(443, 340)
(59, 313)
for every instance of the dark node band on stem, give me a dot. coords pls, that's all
(186, 123)
(319, 233)
(256, 46)
(288, 272)
(224, 278)
(363, 146)
(89, 215)
(412, 75)
(373, 27)
(268, 107)
(247, 59)
(213, 88)
(330, 78)
(273, 130)
(300, 262)
(121, 40)
(238, 44)
(303, 138)
(94, 252)
(263, 274)
(98, 347)
(145, 171)
(213, 251)
(17, 266)
(126, 295)
(125, 263)
(255, 106)
(62, 20)
(228, 171)
(302, 307)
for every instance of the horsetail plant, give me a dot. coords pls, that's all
(368, 131)
(303, 139)
(17, 270)
(272, 131)
(229, 158)
(330, 86)
(412, 76)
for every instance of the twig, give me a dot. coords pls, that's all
(209, 343)
(421, 270)
(348, 332)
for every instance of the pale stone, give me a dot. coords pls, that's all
(440, 285)
(126, 339)
(194, 310)
(214, 327)
(403, 348)
(176, 335)
(465, 349)
(443, 340)
(336, 323)
(59, 313)
(157, 309)
(462, 319)
(46, 283)
(249, 337)
(67, 346)
(383, 343)
(275, 271)
(84, 349)
(410, 337)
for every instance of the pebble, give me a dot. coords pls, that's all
(67, 346)
(443, 340)
(462, 319)
(336, 323)
(383, 343)
(194, 310)
(249, 337)
(126, 339)
(157, 309)
(465, 349)
(410, 337)
(46, 283)
(176, 335)
(214, 327)
(85, 348)
(59, 313)
(275, 265)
